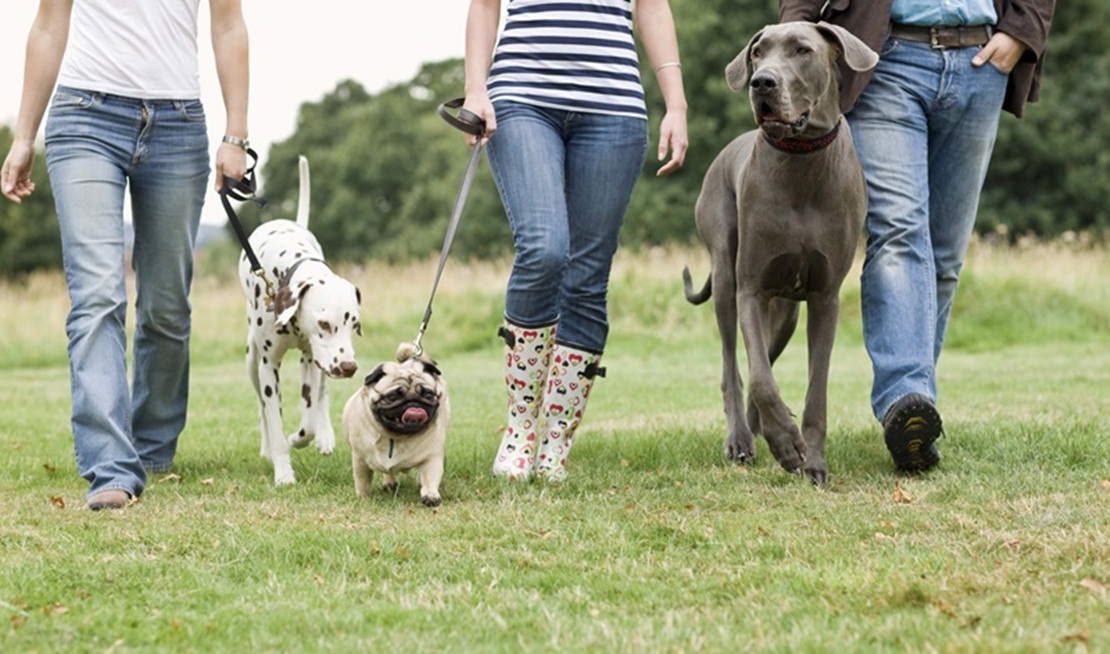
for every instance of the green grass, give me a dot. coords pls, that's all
(655, 544)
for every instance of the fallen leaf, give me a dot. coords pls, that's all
(1105, 484)
(208, 482)
(901, 496)
(172, 477)
(176, 625)
(1093, 585)
(946, 608)
(58, 502)
(319, 579)
(1079, 636)
(883, 538)
(49, 467)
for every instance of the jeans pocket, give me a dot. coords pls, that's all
(192, 111)
(67, 98)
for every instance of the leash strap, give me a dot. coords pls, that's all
(243, 190)
(470, 123)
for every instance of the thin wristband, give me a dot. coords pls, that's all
(676, 64)
(243, 144)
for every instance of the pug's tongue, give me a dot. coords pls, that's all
(414, 415)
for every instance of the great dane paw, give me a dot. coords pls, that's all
(740, 449)
(819, 476)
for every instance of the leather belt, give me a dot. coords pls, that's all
(942, 36)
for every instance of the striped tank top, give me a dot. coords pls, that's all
(572, 55)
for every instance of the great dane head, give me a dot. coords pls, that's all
(794, 81)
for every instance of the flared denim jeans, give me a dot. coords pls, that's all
(100, 147)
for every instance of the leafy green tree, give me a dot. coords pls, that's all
(662, 208)
(29, 237)
(386, 169)
(1051, 168)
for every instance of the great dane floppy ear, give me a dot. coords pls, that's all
(736, 72)
(855, 53)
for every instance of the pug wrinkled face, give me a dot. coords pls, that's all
(405, 396)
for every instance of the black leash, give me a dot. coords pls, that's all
(244, 189)
(470, 123)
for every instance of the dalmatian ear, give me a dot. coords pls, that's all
(287, 301)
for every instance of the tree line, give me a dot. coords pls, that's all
(386, 168)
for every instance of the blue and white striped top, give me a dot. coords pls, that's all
(575, 55)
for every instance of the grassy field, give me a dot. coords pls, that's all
(655, 544)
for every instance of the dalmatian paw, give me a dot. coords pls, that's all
(301, 438)
(325, 441)
(283, 472)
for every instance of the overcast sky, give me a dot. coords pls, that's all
(299, 52)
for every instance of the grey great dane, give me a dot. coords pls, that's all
(780, 211)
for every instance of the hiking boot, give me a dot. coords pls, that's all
(910, 428)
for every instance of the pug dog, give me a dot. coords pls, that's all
(397, 421)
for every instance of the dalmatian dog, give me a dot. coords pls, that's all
(313, 310)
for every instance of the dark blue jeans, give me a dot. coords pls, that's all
(565, 179)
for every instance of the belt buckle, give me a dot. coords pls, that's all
(934, 38)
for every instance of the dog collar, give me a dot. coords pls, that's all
(288, 275)
(804, 145)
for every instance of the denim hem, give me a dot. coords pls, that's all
(575, 346)
(156, 468)
(531, 325)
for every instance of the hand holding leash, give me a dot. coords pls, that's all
(242, 190)
(472, 124)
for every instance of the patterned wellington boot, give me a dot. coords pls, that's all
(568, 388)
(527, 359)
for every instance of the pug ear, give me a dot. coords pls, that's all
(375, 376)
(431, 368)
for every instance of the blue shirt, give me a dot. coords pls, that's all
(949, 13)
(576, 55)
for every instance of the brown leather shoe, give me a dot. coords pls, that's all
(109, 499)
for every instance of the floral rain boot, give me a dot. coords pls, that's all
(527, 359)
(569, 381)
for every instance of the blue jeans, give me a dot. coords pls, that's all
(98, 147)
(924, 127)
(565, 179)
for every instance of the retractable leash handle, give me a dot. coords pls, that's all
(470, 123)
